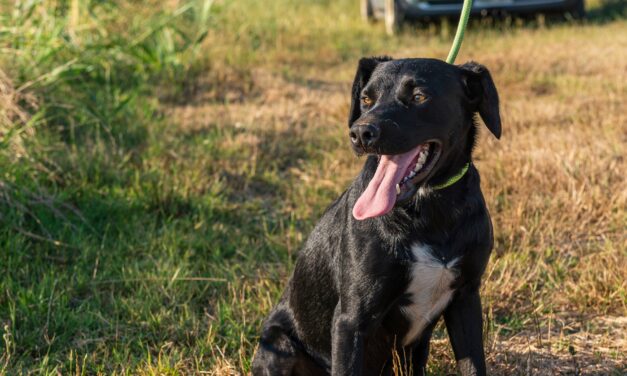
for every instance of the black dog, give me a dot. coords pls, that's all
(406, 243)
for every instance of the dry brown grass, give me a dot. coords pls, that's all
(13, 117)
(554, 293)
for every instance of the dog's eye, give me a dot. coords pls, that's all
(419, 98)
(366, 101)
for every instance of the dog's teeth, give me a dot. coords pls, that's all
(398, 189)
(418, 165)
(422, 158)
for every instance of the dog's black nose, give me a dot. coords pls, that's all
(364, 134)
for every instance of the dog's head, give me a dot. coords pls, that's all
(417, 115)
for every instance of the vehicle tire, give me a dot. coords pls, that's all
(367, 13)
(578, 10)
(393, 16)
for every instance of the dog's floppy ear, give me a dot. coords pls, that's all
(482, 94)
(364, 70)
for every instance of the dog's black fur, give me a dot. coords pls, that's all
(341, 311)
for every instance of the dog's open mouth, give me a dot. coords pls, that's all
(397, 179)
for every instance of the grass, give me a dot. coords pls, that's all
(161, 163)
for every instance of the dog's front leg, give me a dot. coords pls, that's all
(357, 315)
(348, 345)
(464, 324)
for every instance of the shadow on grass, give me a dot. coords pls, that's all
(253, 163)
(216, 85)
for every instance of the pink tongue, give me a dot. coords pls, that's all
(380, 195)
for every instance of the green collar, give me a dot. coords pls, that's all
(453, 179)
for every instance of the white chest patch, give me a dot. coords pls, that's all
(429, 288)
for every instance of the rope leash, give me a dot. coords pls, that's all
(459, 35)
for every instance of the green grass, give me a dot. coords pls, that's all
(160, 166)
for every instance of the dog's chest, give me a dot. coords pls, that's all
(429, 290)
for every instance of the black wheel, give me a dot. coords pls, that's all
(393, 16)
(578, 10)
(367, 13)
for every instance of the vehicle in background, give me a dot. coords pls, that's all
(394, 12)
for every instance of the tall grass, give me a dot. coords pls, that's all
(94, 63)
(86, 73)
(80, 83)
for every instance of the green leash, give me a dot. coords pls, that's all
(459, 35)
(457, 42)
